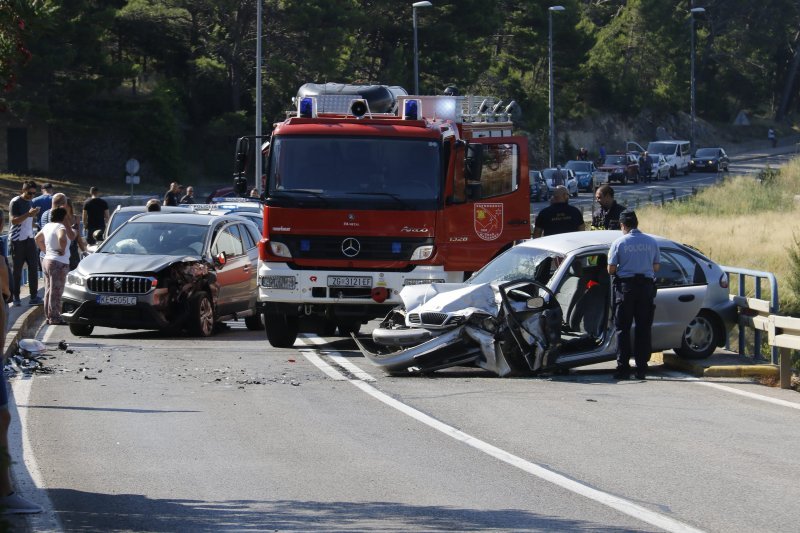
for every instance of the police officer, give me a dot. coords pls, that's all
(634, 260)
(606, 216)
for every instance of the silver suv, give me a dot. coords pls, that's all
(169, 272)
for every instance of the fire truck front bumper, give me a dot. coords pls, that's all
(278, 283)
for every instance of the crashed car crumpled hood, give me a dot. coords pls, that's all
(452, 298)
(100, 263)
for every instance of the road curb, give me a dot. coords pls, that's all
(24, 326)
(720, 371)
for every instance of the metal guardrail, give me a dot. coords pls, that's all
(783, 333)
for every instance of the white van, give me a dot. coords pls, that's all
(677, 153)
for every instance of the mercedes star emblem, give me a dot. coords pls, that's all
(351, 247)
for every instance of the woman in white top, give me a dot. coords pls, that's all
(54, 242)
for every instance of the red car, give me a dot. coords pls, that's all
(621, 168)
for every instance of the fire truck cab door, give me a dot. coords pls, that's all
(496, 210)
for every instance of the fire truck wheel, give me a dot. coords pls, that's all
(281, 329)
(346, 328)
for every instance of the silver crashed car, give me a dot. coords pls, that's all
(546, 304)
(167, 271)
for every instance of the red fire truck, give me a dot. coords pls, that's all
(369, 189)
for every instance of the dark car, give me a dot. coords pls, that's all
(713, 159)
(222, 192)
(621, 168)
(167, 271)
(540, 192)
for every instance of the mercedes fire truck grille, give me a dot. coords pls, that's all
(356, 248)
(120, 284)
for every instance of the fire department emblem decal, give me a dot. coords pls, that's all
(488, 220)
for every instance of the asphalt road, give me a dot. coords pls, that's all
(140, 431)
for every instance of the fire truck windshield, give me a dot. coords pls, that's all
(379, 172)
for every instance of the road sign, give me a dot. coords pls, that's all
(133, 180)
(132, 167)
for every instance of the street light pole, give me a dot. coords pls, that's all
(414, 7)
(693, 12)
(258, 156)
(550, 11)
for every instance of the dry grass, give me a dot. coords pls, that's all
(741, 223)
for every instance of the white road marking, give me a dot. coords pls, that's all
(350, 366)
(322, 365)
(26, 473)
(733, 390)
(620, 504)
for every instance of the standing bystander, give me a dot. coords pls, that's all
(559, 216)
(23, 249)
(10, 502)
(188, 198)
(95, 214)
(43, 201)
(53, 242)
(773, 139)
(173, 194)
(633, 259)
(606, 216)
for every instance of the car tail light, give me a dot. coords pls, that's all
(723, 280)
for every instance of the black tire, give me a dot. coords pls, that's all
(575, 194)
(81, 330)
(624, 179)
(254, 322)
(328, 328)
(201, 315)
(346, 328)
(281, 329)
(701, 337)
(673, 172)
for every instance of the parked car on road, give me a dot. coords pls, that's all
(584, 172)
(659, 168)
(167, 271)
(540, 192)
(621, 168)
(252, 210)
(546, 304)
(570, 181)
(713, 159)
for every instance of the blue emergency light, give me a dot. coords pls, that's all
(411, 109)
(307, 108)
(305, 245)
(396, 247)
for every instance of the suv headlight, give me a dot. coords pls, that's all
(74, 278)
(422, 253)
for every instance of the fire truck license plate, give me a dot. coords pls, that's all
(349, 281)
(116, 300)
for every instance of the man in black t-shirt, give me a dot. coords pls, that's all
(606, 216)
(95, 214)
(559, 216)
(173, 194)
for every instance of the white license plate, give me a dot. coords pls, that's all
(349, 281)
(103, 299)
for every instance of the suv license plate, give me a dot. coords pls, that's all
(116, 300)
(349, 281)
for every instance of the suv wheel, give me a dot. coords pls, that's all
(201, 315)
(81, 330)
(281, 329)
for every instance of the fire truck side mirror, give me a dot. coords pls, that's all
(242, 156)
(473, 166)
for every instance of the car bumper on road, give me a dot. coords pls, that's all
(139, 316)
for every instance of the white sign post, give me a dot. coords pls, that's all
(132, 167)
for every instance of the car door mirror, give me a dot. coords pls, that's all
(221, 259)
(535, 303)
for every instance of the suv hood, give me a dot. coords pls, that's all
(100, 263)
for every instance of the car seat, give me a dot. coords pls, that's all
(589, 313)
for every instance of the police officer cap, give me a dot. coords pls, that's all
(628, 218)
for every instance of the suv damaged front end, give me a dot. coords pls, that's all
(509, 329)
(105, 290)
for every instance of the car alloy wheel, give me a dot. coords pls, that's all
(699, 337)
(202, 315)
